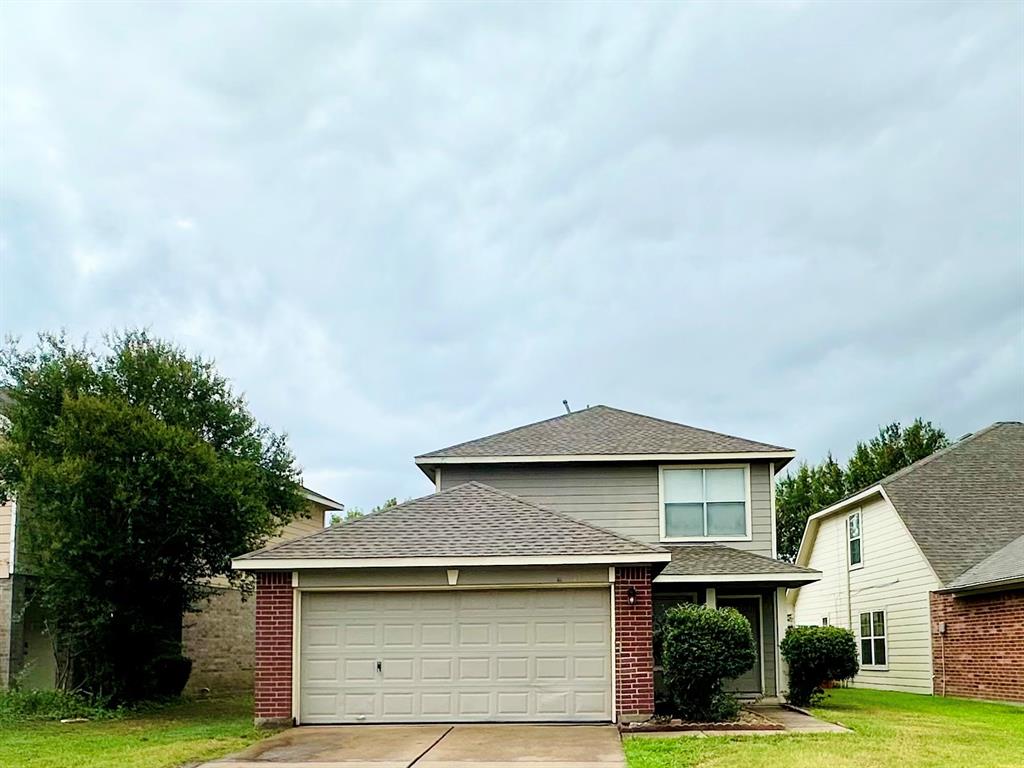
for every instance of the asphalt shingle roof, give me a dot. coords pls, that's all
(966, 502)
(469, 520)
(1004, 565)
(720, 560)
(600, 430)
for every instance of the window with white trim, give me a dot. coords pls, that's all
(824, 621)
(706, 503)
(854, 539)
(873, 646)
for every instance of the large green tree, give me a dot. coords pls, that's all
(139, 474)
(811, 487)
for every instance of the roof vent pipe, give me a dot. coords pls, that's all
(567, 408)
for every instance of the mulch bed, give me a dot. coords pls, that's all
(748, 721)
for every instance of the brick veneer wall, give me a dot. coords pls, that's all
(983, 645)
(273, 672)
(634, 651)
(221, 641)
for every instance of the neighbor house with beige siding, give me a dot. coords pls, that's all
(939, 539)
(219, 637)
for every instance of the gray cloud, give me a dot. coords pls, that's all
(400, 226)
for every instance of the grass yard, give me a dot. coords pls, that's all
(161, 738)
(890, 729)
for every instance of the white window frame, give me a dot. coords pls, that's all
(872, 637)
(858, 513)
(661, 502)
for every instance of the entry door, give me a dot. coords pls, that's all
(462, 656)
(750, 607)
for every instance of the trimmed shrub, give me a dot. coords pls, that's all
(817, 655)
(701, 648)
(169, 675)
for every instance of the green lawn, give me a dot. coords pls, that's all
(161, 738)
(890, 729)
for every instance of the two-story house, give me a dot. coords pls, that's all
(526, 587)
(926, 567)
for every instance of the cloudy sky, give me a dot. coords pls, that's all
(396, 227)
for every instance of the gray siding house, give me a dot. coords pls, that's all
(526, 588)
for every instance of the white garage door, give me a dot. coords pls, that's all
(533, 654)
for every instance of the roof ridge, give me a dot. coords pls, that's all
(690, 426)
(507, 431)
(441, 452)
(564, 516)
(904, 471)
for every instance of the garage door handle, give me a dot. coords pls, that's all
(378, 665)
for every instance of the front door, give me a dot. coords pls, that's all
(750, 607)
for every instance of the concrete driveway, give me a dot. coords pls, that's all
(435, 746)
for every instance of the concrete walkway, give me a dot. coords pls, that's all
(793, 721)
(435, 746)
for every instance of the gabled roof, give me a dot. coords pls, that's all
(600, 433)
(961, 504)
(324, 501)
(704, 562)
(463, 525)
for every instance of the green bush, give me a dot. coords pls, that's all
(18, 706)
(701, 648)
(817, 655)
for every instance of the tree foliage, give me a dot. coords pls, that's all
(354, 513)
(817, 655)
(139, 475)
(811, 487)
(700, 648)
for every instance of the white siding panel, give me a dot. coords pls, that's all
(895, 578)
(5, 538)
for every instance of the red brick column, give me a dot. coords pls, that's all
(634, 651)
(273, 647)
(982, 648)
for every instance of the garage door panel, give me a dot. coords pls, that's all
(436, 635)
(589, 667)
(517, 634)
(474, 634)
(360, 636)
(436, 669)
(512, 668)
(457, 655)
(550, 632)
(591, 703)
(436, 705)
(590, 633)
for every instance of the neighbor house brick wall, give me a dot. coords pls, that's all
(273, 673)
(634, 651)
(983, 645)
(221, 641)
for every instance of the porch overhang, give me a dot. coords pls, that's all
(720, 564)
(770, 579)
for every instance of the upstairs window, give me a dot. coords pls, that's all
(705, 503)
(873, 650)
(853, 536)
